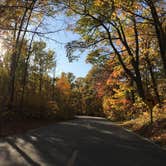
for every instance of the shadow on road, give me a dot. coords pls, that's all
(96, 141)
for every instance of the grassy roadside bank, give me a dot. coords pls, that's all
(156, 132)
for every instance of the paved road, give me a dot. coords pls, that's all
(85, 141)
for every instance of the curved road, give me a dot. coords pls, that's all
(85, 141)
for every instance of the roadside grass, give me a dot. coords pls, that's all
(142, 126)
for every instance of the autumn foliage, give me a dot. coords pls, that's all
(125, 44)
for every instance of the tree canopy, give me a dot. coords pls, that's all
(125, 41)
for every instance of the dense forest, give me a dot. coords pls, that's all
(125, 42)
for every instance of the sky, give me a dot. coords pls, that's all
(79, 68)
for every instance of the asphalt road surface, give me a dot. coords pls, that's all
(85, 141)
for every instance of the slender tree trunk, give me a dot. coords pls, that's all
(153, 80)
(53, 89)
(12, 80)
(139, 85)
(53, 85)
(24, 81)
(16, 54)
(151, 116)
(161, 35)
(13, 66)
(25, 74)
(132, 91)
(40, 83)
(146, 79)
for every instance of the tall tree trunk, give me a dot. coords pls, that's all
(161, 35)
(139, 84)
(40, 83)
(12, 80)
(16, 54)
(131, 83)
(154, 83)
(53, 85)
(25, 74)
(13, 65)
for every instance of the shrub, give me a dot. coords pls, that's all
(123, 109)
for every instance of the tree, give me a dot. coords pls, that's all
(158, 19)
(117, 30)
(19, 19)
(102, 24)
(43, 61)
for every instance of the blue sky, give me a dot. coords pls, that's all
(80, 68)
